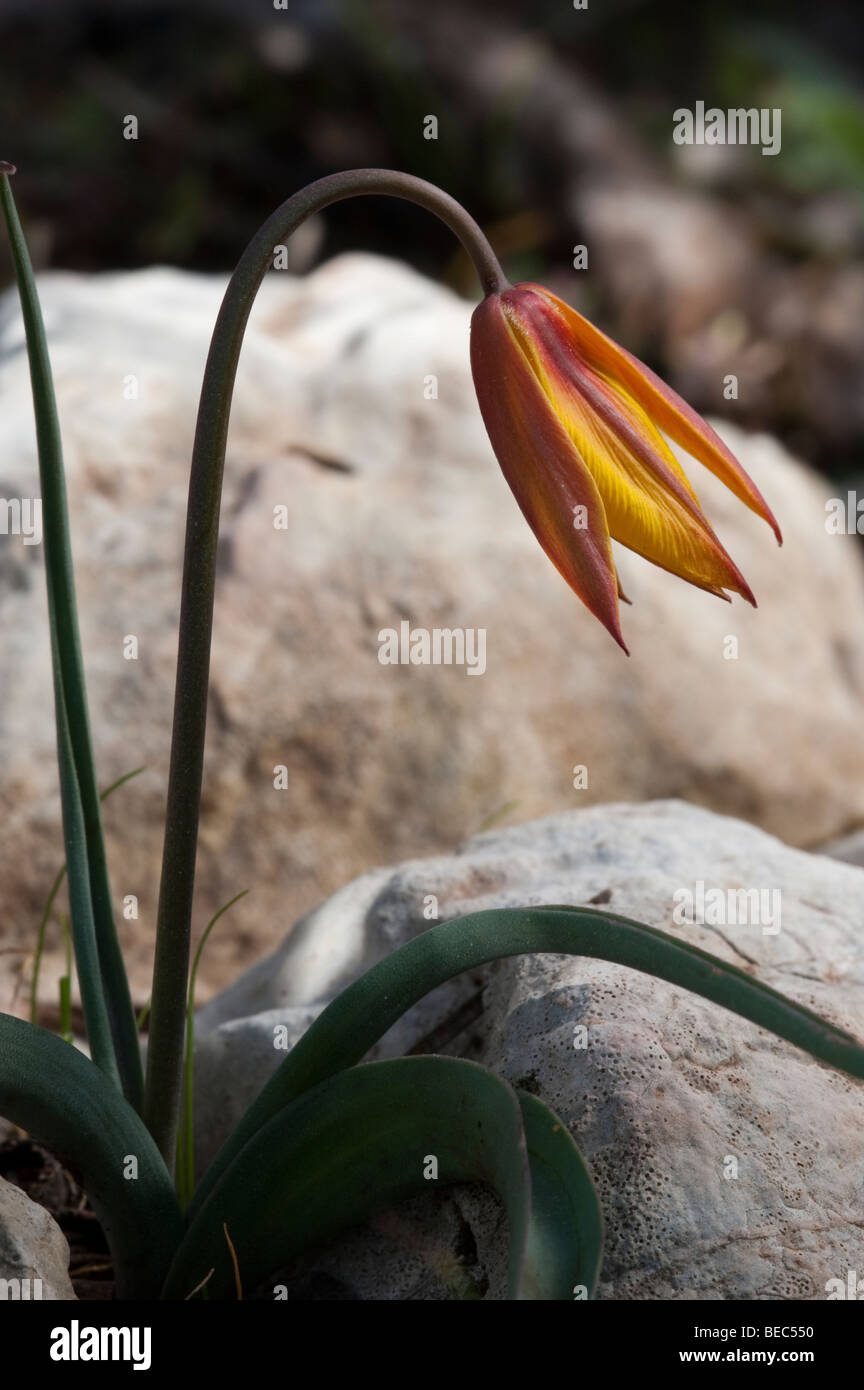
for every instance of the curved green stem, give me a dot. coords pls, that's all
(165, 1053)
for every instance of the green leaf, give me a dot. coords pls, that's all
(90, 893)
(565, 1238)
(358, 1142)
(354, 1021)
(53, 1092)
(90, 980)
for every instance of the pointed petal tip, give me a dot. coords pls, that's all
(748, 595)
(610, 617)
(768, 515)
(619, 638)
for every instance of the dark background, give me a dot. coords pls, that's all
(554, 128)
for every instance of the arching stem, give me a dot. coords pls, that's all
(165, 1054)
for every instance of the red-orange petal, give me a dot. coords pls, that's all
(545, 472)
(669, 411)
(649, 504)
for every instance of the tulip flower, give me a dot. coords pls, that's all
(575, 422)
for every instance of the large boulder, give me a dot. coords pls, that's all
(356, 414)
(727, 1162)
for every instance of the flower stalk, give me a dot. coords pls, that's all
(173, 928)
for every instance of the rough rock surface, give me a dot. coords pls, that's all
(32, 1247)
(669, 1089)
(395, 511)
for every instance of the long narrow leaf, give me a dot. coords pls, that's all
(80, 902)
(66, 654)
(362, 1013)
(565, 1237)
(53, 1092)
(359, 1141)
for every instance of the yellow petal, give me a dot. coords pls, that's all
(668, 410)
(649, 504)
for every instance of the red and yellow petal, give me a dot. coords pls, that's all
(547, 476)
(576, 422)
(664, 406)
(650, 506)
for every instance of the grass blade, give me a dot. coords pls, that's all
(46, 914)
(40, 943)
(186, 1134)
(65, 1027)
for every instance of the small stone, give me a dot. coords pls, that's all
(34, 1254)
